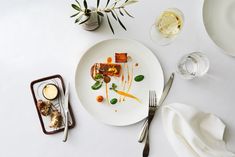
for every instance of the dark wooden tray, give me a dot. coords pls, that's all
(36, 87)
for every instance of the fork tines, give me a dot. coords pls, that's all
(152, 98)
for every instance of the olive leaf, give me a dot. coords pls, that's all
(110, 25)
(98, 3)
(74, 14)
(88, 11)
(100, 13)
(127, 13)
(107, 3)
(120, 22)
(107, 10)
(88, 17)
(114, 4)
(128, 2)
(76, 7)
(113, 15)
(79, 18)
(78, 4)
(121, 12)
(85, 4)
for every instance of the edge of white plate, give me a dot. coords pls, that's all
(224, 51)
(84, 52)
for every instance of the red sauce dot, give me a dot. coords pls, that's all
(109, 60)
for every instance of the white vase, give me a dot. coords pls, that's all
(93, 23)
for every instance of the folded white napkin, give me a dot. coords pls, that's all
(193, 133)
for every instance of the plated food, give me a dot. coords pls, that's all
(117, 77)
(113, 78)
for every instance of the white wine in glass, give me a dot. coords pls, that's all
(167, 26)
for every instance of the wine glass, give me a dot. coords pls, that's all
(167, 26)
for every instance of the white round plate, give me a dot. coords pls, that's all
(219, 20)
(129, 111)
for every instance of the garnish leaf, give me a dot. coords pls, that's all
(97, 85)
(113, 101)
(76, 7)
(99, 76)
(110, 25)
(139, 78)
(114, 86)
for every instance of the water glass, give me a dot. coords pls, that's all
(193, 65)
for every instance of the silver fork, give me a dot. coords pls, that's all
(151, 113)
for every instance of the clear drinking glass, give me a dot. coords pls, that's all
(193, 65)
(167, 26)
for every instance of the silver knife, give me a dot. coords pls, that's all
(163, 97)
(66, 111)
(166, 89)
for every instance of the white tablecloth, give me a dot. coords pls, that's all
(38, 38)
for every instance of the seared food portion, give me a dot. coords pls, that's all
(120, 57)
(105, 69)
(56, 119)
(44, 107)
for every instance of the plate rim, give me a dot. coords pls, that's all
(226, 52)
(79, 61)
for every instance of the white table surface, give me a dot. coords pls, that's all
(37, 39)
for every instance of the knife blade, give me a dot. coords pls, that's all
(166, 89)
(165, 92)
(66, 111)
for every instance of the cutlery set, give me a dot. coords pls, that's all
(153, 107)
(151, 113)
